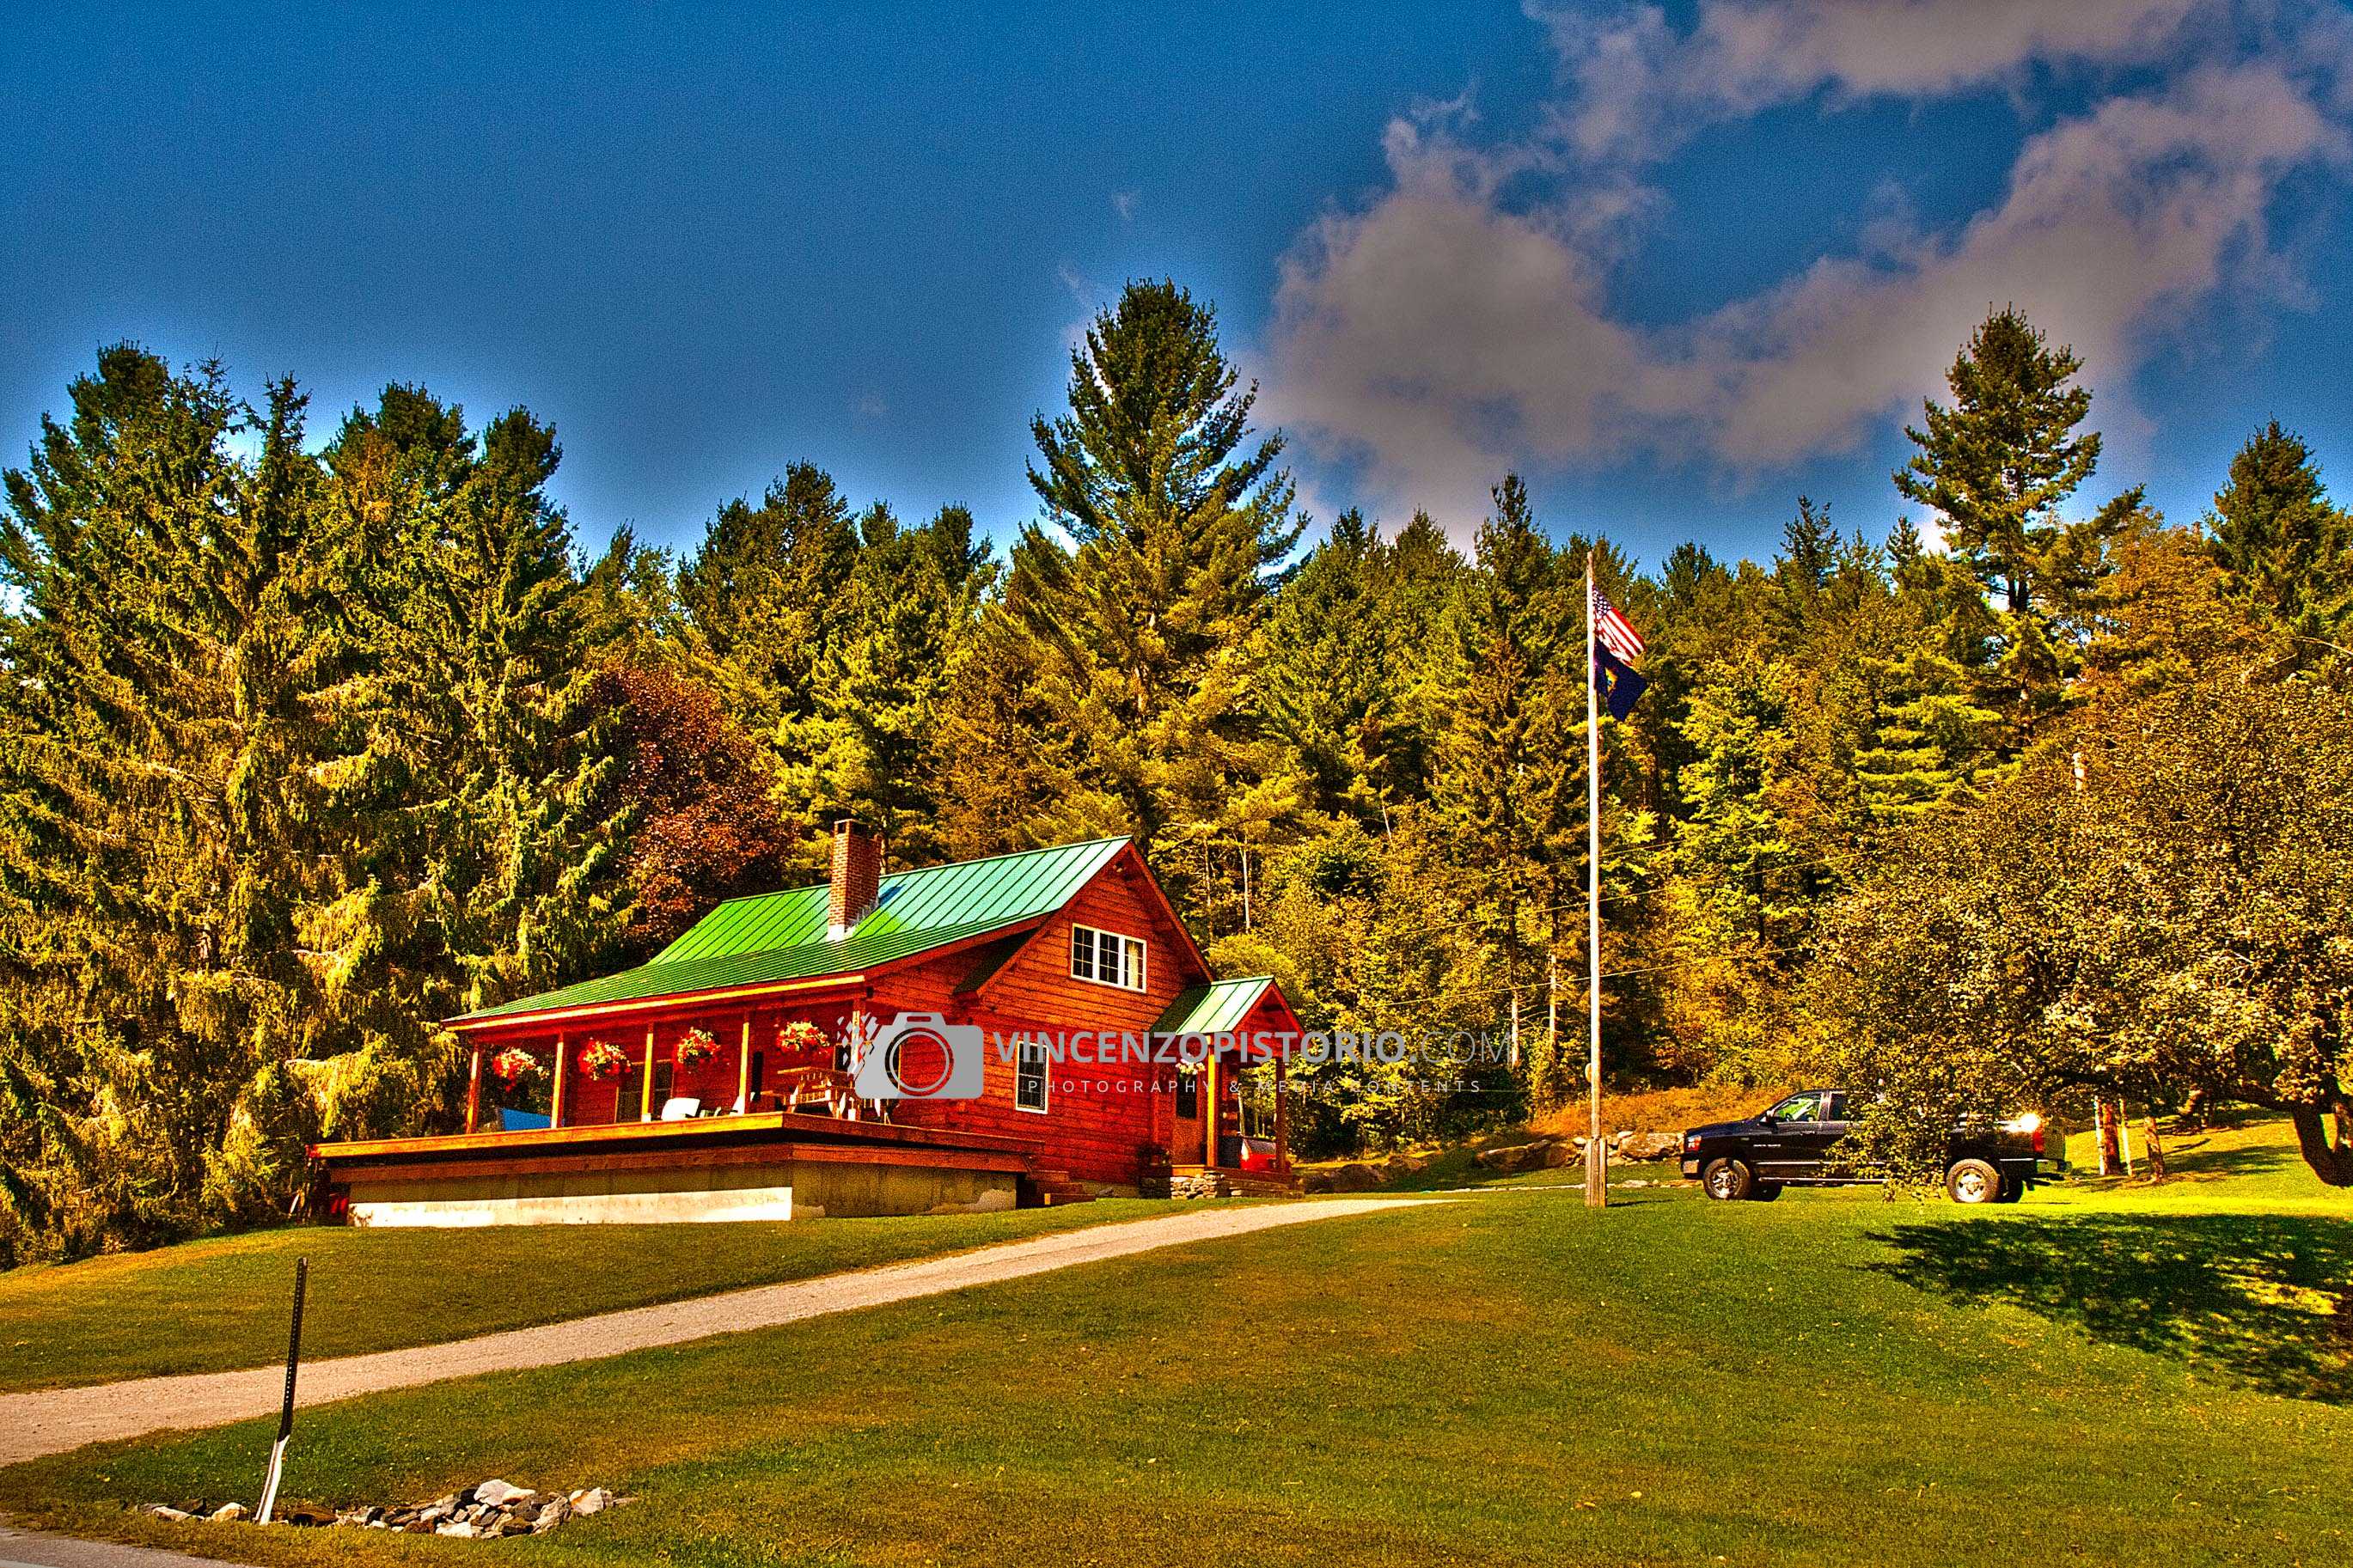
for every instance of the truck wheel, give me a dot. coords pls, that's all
(1726, 1181)
(2012, 1189)
(1973, 1182)
(1765, 1192)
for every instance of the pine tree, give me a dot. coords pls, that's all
(869, 744)
(157, 801)
(1998, 465)
(2284, 547)
(479, 789)
(765, 590)
(1347, 643)
(1929, 740)
(1144, 627)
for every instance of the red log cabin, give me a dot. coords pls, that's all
(733, 1077)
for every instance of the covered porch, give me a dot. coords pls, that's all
(775, 1049)
(1230, 1038)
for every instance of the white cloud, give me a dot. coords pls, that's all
(1123, 203)
(1441, 335)
(1641, 88)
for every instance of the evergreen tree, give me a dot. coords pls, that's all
(2284, 547)
(869, 744)
(765, 590)
(157, 800)
(1144, 625)
(1998, 465)
(486, 832)
(1349, 661)
(1929, 742)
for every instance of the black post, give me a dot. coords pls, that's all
(285, 1410)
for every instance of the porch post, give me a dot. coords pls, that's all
(1282, 1118)
(743, 1071)
(474, 1091)
(646, 1099)
(1209, 1108)
(555, 1095)
(858, 1043)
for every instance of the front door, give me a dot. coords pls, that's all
(1184, 1137)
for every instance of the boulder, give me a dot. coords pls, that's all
(1517, 1157)
(1354, 1178)
(499, 1493)
(1651, 1146)
(458, 1528)
(229, 1514)
(166, 1510)
(1313, 1182)
(596, 1500)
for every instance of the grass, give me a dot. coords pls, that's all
(1505, 1378)
(219, 1304)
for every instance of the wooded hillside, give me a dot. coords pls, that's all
(304, 746)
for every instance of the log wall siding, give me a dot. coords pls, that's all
(1099, 1118)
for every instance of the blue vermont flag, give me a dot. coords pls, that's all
(1622, 685)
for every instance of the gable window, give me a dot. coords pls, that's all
(1029, 1073)
(1107, 957)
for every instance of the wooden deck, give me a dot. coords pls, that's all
(700, 1141)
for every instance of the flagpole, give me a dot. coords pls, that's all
(1597, 1159)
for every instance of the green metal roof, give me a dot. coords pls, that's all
(782, 936)
(1213, 1009)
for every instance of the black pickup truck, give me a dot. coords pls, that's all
(1791, 1144)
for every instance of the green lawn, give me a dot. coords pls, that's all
(1505, 1378)
(210, 1306)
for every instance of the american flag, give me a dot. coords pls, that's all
(1614, 631)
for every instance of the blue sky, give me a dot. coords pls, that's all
(1676, 265)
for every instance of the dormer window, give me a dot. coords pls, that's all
(1106, 957)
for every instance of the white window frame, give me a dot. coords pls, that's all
(1132, 963)
(1023, 1054)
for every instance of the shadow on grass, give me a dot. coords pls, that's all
(2265, 1299)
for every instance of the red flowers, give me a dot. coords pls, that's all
(694, 1048)
(513, 1065)
(801, 1036)
(603, 1061)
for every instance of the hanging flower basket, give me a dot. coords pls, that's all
(603, 1061)
(694, 1048)
(801, 1036)
(513, 1065)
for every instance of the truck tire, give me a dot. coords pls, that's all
(1973, 1182)
(1726, 1181)
(2012, 1189)
(1764, 1192)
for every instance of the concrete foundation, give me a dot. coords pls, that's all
(780, 1190)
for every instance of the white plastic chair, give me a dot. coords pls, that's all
(679, 1108)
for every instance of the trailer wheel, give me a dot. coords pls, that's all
(1973, 1182)
(1726, 1181)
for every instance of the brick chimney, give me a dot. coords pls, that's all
(857, 877)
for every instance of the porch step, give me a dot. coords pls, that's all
(1051, 1189)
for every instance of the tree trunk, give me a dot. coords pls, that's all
(2155, 1150)
(2111, 1159)
(2334, 1164)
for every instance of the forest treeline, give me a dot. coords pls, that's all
(306, 745)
